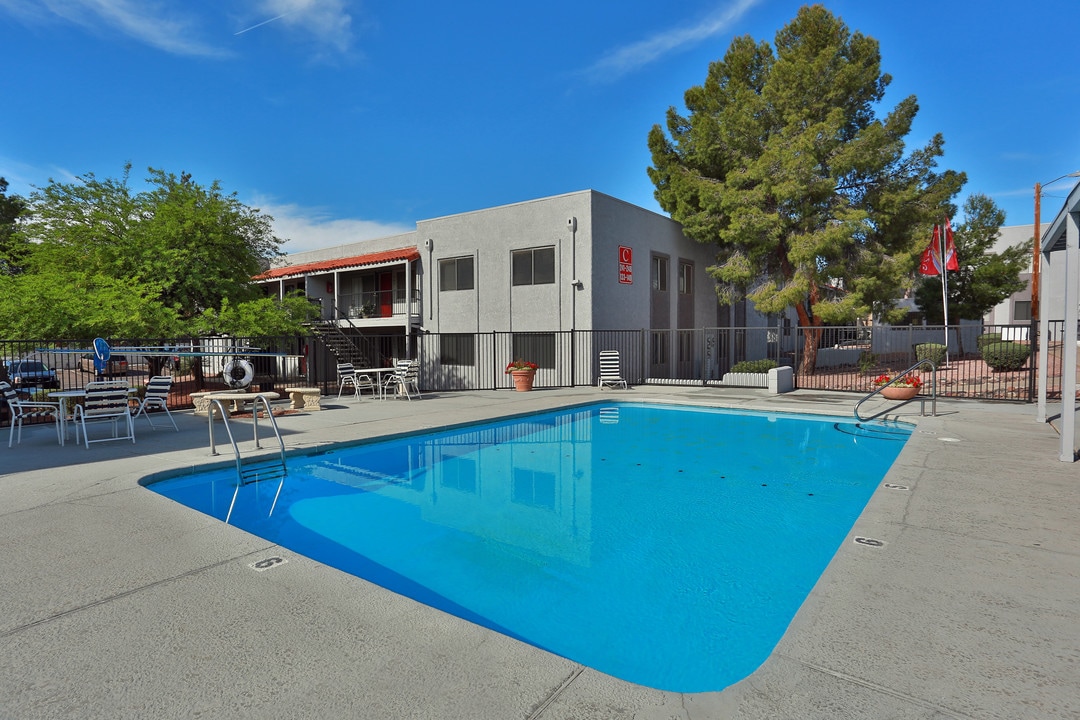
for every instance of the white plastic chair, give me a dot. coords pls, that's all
(406, 376)
(157, 396)
(348, 375)
(105, 401)
(21, 410)
(610, 371)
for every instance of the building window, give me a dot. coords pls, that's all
(533, 487)
(660, 350)
(457, 349)
(686, 278)
(659, 273)
(686, 345)
(1022, 311)
(534, 347)
(533, 267)
(456, 274)
(458, 471)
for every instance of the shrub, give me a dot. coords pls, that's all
(867, 360)
(934, 352)
(753, 366)
(987, 339)
(1005, 356)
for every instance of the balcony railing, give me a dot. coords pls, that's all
(376, 304)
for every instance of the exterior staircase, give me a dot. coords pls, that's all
(348, 347)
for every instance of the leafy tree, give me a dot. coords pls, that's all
(262, 317)
(102, 260)
(985, 278)
(12, 249)
(783, 165)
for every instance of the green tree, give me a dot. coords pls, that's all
(257, 318)
(985, 278)
(783, 165)
(12, 248)
(118, 263)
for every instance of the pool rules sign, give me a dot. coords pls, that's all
(626, 265)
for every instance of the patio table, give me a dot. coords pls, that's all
(66, 398)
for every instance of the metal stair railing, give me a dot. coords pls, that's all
(920, 398)
(262, 469)
(341, 345)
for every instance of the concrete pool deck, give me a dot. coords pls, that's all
(118, 603)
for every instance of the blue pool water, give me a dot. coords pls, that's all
(667, 546)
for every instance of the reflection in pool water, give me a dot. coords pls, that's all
(668, 546)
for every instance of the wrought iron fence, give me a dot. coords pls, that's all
(842, 359)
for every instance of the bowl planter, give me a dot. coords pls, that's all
(899, 392)
(523, 379)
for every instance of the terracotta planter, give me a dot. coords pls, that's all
(523, 379)
(894, 392)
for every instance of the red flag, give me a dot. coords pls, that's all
(930, 262)
(951, 261)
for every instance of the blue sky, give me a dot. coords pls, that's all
(347, 120)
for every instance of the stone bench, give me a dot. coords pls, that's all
(305, 398)
(201, 400)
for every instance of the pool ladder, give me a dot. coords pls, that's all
(918, 398)
(266, 468)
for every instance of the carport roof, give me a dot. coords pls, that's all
(1053, 239)
(355, 261)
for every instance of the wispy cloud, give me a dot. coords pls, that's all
(327, 23)
(157, 24)
(312, 229)
(628, 58)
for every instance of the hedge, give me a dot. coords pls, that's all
(753, 366)
(1005, 356)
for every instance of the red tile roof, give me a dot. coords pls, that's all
(376, 258)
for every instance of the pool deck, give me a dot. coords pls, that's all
(118, 603)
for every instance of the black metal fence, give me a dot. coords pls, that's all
(845, 359)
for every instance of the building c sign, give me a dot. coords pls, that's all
(626, 265)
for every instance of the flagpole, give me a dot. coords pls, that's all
(943, 245)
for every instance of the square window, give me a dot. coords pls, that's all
(456, 274)
(457, 349)
(534, 347)
(533, 267)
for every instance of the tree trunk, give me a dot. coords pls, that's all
(811, 327)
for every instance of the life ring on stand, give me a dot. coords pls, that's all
(238, 373)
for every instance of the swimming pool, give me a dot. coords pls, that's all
(668, 546)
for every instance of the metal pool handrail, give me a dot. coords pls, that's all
(933, 392)
(259, 471)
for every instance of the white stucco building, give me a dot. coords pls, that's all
(583, 261)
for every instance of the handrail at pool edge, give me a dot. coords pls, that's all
(933, 392)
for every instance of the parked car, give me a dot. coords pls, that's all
(116, 364)
(31, 373)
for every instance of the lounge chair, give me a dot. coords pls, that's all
(29, 410)
(610, 372)
(106, 401)
(157, 396)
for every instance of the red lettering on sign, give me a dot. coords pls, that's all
(626, 265)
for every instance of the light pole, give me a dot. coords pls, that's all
(1036, 258)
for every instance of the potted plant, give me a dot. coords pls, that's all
(523, 373)
(902, 388)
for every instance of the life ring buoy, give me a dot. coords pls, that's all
(238, 373)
